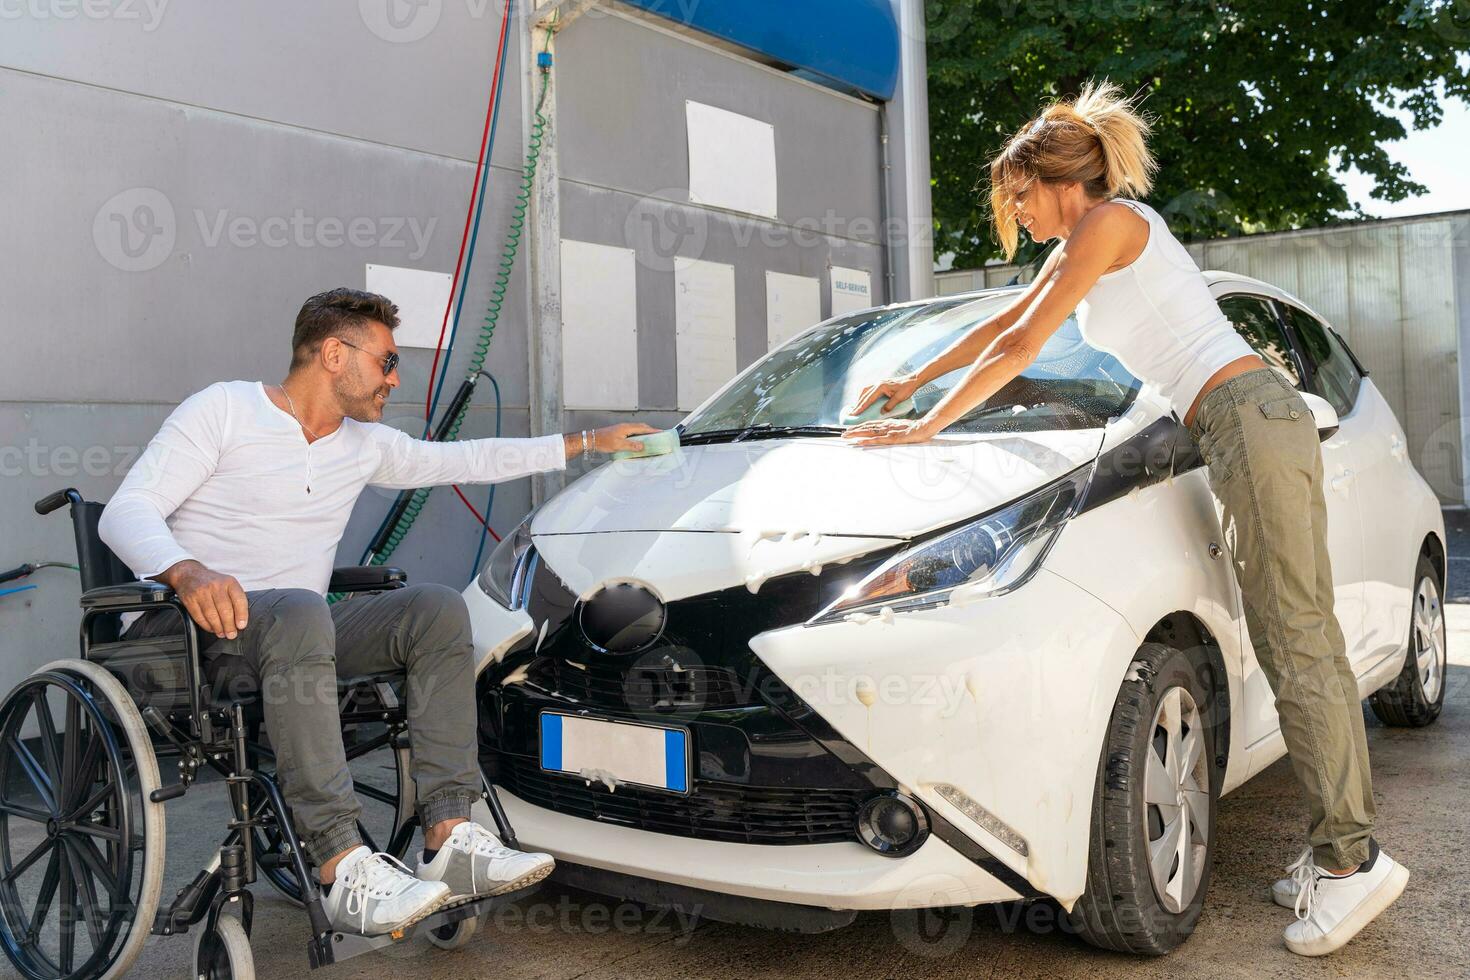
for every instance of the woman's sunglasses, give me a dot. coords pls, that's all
(390, 361)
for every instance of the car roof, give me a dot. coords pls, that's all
(1214, 277)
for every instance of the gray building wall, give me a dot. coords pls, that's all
(180, 183)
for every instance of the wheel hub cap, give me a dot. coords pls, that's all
(1430, 650)
(1176, 792)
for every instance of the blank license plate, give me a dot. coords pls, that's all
(644, 755)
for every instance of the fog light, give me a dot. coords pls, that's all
(892, 824)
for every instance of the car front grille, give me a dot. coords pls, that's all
(639, 687)
(712, 811)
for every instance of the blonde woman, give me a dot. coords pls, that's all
(1073, 174)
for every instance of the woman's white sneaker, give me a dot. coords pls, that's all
(375, 894)
(1285, 890)
(473, 864)
(1332, 909)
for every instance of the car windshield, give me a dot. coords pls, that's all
(808, 382)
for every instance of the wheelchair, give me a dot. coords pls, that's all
(82, 830)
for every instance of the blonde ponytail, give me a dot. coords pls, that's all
(1099, 139)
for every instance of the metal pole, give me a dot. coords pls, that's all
(907, 116)
(544, 343)
(885, 205)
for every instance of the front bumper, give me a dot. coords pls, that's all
(836, 876)
(1005, 699)
(761, 772)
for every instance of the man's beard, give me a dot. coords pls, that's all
(358, 398)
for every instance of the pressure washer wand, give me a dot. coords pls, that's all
(440, 434)
(30, 567)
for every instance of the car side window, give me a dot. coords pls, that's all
(1257, 323)
(1334, 373)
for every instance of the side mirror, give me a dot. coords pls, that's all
(1324, 413)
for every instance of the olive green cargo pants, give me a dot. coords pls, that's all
(1260, 444)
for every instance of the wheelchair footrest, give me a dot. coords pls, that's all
(346, 945)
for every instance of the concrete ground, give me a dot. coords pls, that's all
(1421, 780)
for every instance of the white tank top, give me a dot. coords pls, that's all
(1158, 318)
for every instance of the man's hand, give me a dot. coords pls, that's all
(615, 438)
(216, 602)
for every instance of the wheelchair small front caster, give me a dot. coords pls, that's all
(456, 934)
(223, 952)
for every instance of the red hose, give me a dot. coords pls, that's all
(471, 506)
(469, 213)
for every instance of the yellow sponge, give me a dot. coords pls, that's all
(654, 444)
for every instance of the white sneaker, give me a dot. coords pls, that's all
(375, 894)
(1330, 909)
(1285, 890)
(473, 863)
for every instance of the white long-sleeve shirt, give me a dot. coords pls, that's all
(230, 481)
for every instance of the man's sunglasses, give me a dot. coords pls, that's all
(390, 361)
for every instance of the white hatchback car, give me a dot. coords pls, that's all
(785, 678)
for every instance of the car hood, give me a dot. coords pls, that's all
(821, 486)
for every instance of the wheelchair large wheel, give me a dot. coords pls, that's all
(385, 788)
(81, 842)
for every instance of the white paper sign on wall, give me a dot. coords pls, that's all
(704, 328)
(852, 289)
(732, 160)
(793, 303)
(421, 298)
(599, 326)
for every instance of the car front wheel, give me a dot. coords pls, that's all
(1153, 814)
(1416, 696)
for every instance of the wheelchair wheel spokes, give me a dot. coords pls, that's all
(69, 884)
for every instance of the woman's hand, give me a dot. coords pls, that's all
(896, 389)
(891, 432)
(616, 438)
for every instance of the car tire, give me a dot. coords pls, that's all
(1170, 707)
(1416, 696)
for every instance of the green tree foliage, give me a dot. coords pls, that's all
(1253, 100)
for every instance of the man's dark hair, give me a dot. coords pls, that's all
(335, 313)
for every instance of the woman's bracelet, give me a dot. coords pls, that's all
(586, 444)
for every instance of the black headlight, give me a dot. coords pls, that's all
(501, 578)
(991, 555)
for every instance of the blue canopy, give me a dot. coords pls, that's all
(847, 44)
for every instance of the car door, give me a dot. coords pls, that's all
(1257, 320)
(1379, 481)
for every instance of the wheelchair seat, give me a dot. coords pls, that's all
(156, 670)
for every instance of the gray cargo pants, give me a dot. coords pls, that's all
(1260, 443)
(296, 647)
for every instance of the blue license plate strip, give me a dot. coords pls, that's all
(652, 756)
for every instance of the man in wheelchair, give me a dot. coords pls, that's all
(238, 505)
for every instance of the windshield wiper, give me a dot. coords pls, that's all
(762, 431)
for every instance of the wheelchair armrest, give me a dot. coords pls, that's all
(365, 578)
(132, 594)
